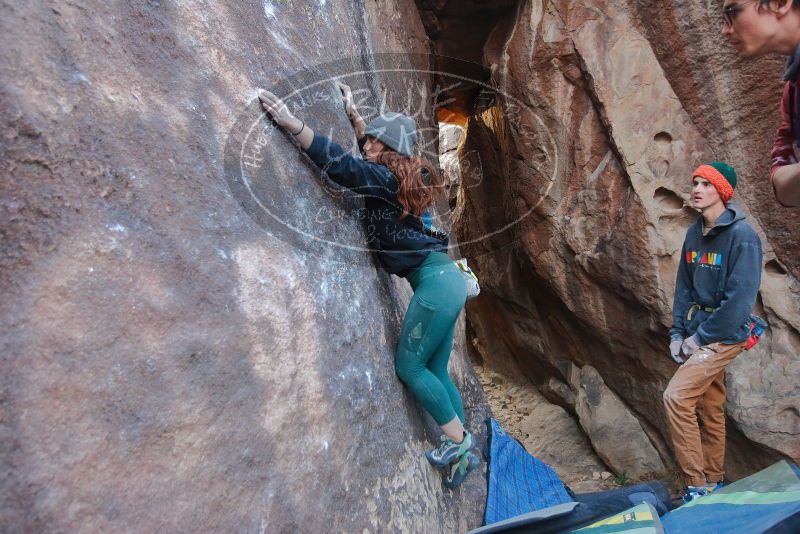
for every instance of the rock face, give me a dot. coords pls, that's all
(459, 29)
(733, 102)
(577, 218)
(546, 430)
(180, 351)
(615, 433)
(449, 137)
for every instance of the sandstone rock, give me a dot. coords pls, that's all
(554, 437)
(731, 101)
(449, 137)
(175, 359)
(582, 206)
(615, 433)
(459, 30)
(558, 392)
(547, 431)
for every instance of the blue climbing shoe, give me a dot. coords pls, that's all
(459, 470)
(449, 451)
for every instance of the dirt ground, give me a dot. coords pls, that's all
(547, 431)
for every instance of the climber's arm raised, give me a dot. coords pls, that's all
(283, 117)
(340, 165)
(352, 111)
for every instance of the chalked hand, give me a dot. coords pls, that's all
(347, 98)
(276, 109)
(675, 351)
(689, 346)
(351, 109)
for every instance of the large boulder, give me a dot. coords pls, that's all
(546, 430)
(180, 351)
(577, 218)
(614, 431)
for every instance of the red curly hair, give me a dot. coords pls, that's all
(413, 193)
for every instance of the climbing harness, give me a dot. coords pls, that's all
(696, 307)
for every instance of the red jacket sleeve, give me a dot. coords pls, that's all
(782, 152)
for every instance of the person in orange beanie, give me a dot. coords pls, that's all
(716, 288)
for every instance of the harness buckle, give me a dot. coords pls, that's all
(694, 307)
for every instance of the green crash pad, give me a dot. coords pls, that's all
(641, 519)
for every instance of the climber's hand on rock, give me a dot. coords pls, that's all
(349, 102)
(675, 350)
(347, 98)
(278, 110)
(352, 111)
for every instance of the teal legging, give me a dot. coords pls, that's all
(427, 337)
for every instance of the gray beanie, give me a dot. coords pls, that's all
(397, 131)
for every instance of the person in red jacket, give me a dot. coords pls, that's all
(760, 27)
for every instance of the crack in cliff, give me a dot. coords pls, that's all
(599, 108)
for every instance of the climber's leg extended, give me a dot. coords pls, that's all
(423, 353)
(439, 295)
(422, 332)
(438, 366)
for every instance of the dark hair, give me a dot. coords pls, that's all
(416, 191)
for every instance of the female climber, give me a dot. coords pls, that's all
(397, 188)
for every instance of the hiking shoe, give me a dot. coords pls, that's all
(459, 470)
(449, 451)
(694, 492)
(710, 488)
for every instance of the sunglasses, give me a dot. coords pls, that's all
(730, 12)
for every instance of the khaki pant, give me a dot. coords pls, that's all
(698, 388)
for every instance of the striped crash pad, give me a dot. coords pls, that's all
(518, 482)
(641, 519)
(768, 501)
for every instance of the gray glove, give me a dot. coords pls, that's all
(675, 350)
(690, 346)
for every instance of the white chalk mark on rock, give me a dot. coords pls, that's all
(601, 166)
(269, 9)
(78, 76)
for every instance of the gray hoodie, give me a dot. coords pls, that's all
(719, 271)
